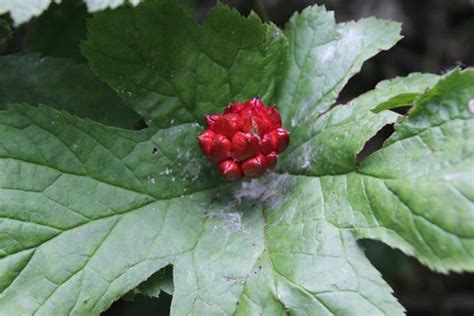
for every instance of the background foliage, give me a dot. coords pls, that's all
(422, 50)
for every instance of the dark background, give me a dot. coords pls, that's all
(439, 35)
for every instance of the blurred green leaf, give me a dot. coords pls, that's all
(64, 84)
(5, 30)
(59, 30)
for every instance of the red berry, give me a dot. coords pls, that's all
(273, 117)
(255, 103)
(220, 148)
(234, 108)
(205, 142)
(272, 159)
(255, 167)
(230, 170)
(245, 145)
(226, 124)
(268, 144)
(245, 140)
(281, 139)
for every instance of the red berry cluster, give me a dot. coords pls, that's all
(245, 140)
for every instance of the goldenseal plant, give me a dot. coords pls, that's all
(92, 210)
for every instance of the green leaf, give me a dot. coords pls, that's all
(227, 243)
(90, 212)
(175, 71)
(160, 281)
(153, 286)
(404, 99)
(329, 145)
(414, 89)
(424, 175)
(24, 10)
(88, 178)
(284, 243)
(323, 56)
(67, 85)
(64, 23)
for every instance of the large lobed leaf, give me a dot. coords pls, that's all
(173, 70)
(89, 212)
